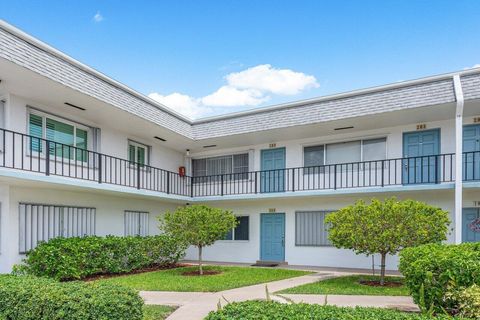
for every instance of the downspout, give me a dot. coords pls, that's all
(457, 85)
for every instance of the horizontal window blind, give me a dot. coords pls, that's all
(236, 164)
(311, 229)
(42, 222)
(136, 223)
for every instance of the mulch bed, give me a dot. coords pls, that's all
(143, 270)
(197, 273)
(376, 283)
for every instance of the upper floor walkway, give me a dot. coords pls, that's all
(37, 156)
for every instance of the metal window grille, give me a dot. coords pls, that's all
(42, 222)
(136, 223)
(311, 229)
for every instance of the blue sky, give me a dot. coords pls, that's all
(211, 57)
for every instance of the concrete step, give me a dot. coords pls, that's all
(266, 263)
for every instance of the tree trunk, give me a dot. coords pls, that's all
(382, 270)
(200, 269)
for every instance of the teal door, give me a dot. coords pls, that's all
(421, 148)
(272, 237)
(272, 177)
(471, 225)
(471, 147)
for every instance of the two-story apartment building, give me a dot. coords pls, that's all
(83, 154)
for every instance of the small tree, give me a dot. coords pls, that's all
(386, 227)
(198, 225)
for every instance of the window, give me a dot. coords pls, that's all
(42, 222)
(138, 153)
(314, 156)
(344, 152)
(237, 164)
(310, 228)
(65, 134)
(136, 223)
(374, 149)
(240, 232)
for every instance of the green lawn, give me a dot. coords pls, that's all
(229, 278)
(349, 285)
(155, 312)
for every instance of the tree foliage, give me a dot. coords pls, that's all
(386, 227)
(198, 225)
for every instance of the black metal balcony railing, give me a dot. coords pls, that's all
(29, 153)
(24, 152)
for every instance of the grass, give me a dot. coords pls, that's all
(156, 312)
(349, 285)
(229, 278)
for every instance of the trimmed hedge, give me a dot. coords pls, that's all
(32, 298)
(437, 269)
(299, 311)
(80, 257)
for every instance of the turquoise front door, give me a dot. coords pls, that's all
(272, 237)
(471, 225)
(471, 159)
(273, 170)
(421, 148)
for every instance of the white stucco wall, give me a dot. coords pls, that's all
(113, 141)
(110, 208)
(394, 135)
(109, 213)
(249, 251)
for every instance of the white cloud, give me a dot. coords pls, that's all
(182, 103)
(228, 96)
(98, 17)
(278, 81)
(250, 87)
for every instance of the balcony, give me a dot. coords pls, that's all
(27, 153)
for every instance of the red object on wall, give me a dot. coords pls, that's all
(181, 171)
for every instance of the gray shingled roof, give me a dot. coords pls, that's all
(29, 56)
(367, 104)
(29, 53)
(471, 86)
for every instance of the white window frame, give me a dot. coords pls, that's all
(44, 116)
(233, 231)
(137, 144)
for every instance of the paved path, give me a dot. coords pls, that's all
(196, 305)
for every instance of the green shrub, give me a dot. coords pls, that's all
(32, 298)
(278, 311)
(77, 258)
(437, 269)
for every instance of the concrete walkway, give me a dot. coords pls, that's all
(196, 305)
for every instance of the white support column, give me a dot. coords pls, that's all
(187, 163)
(458, 158)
